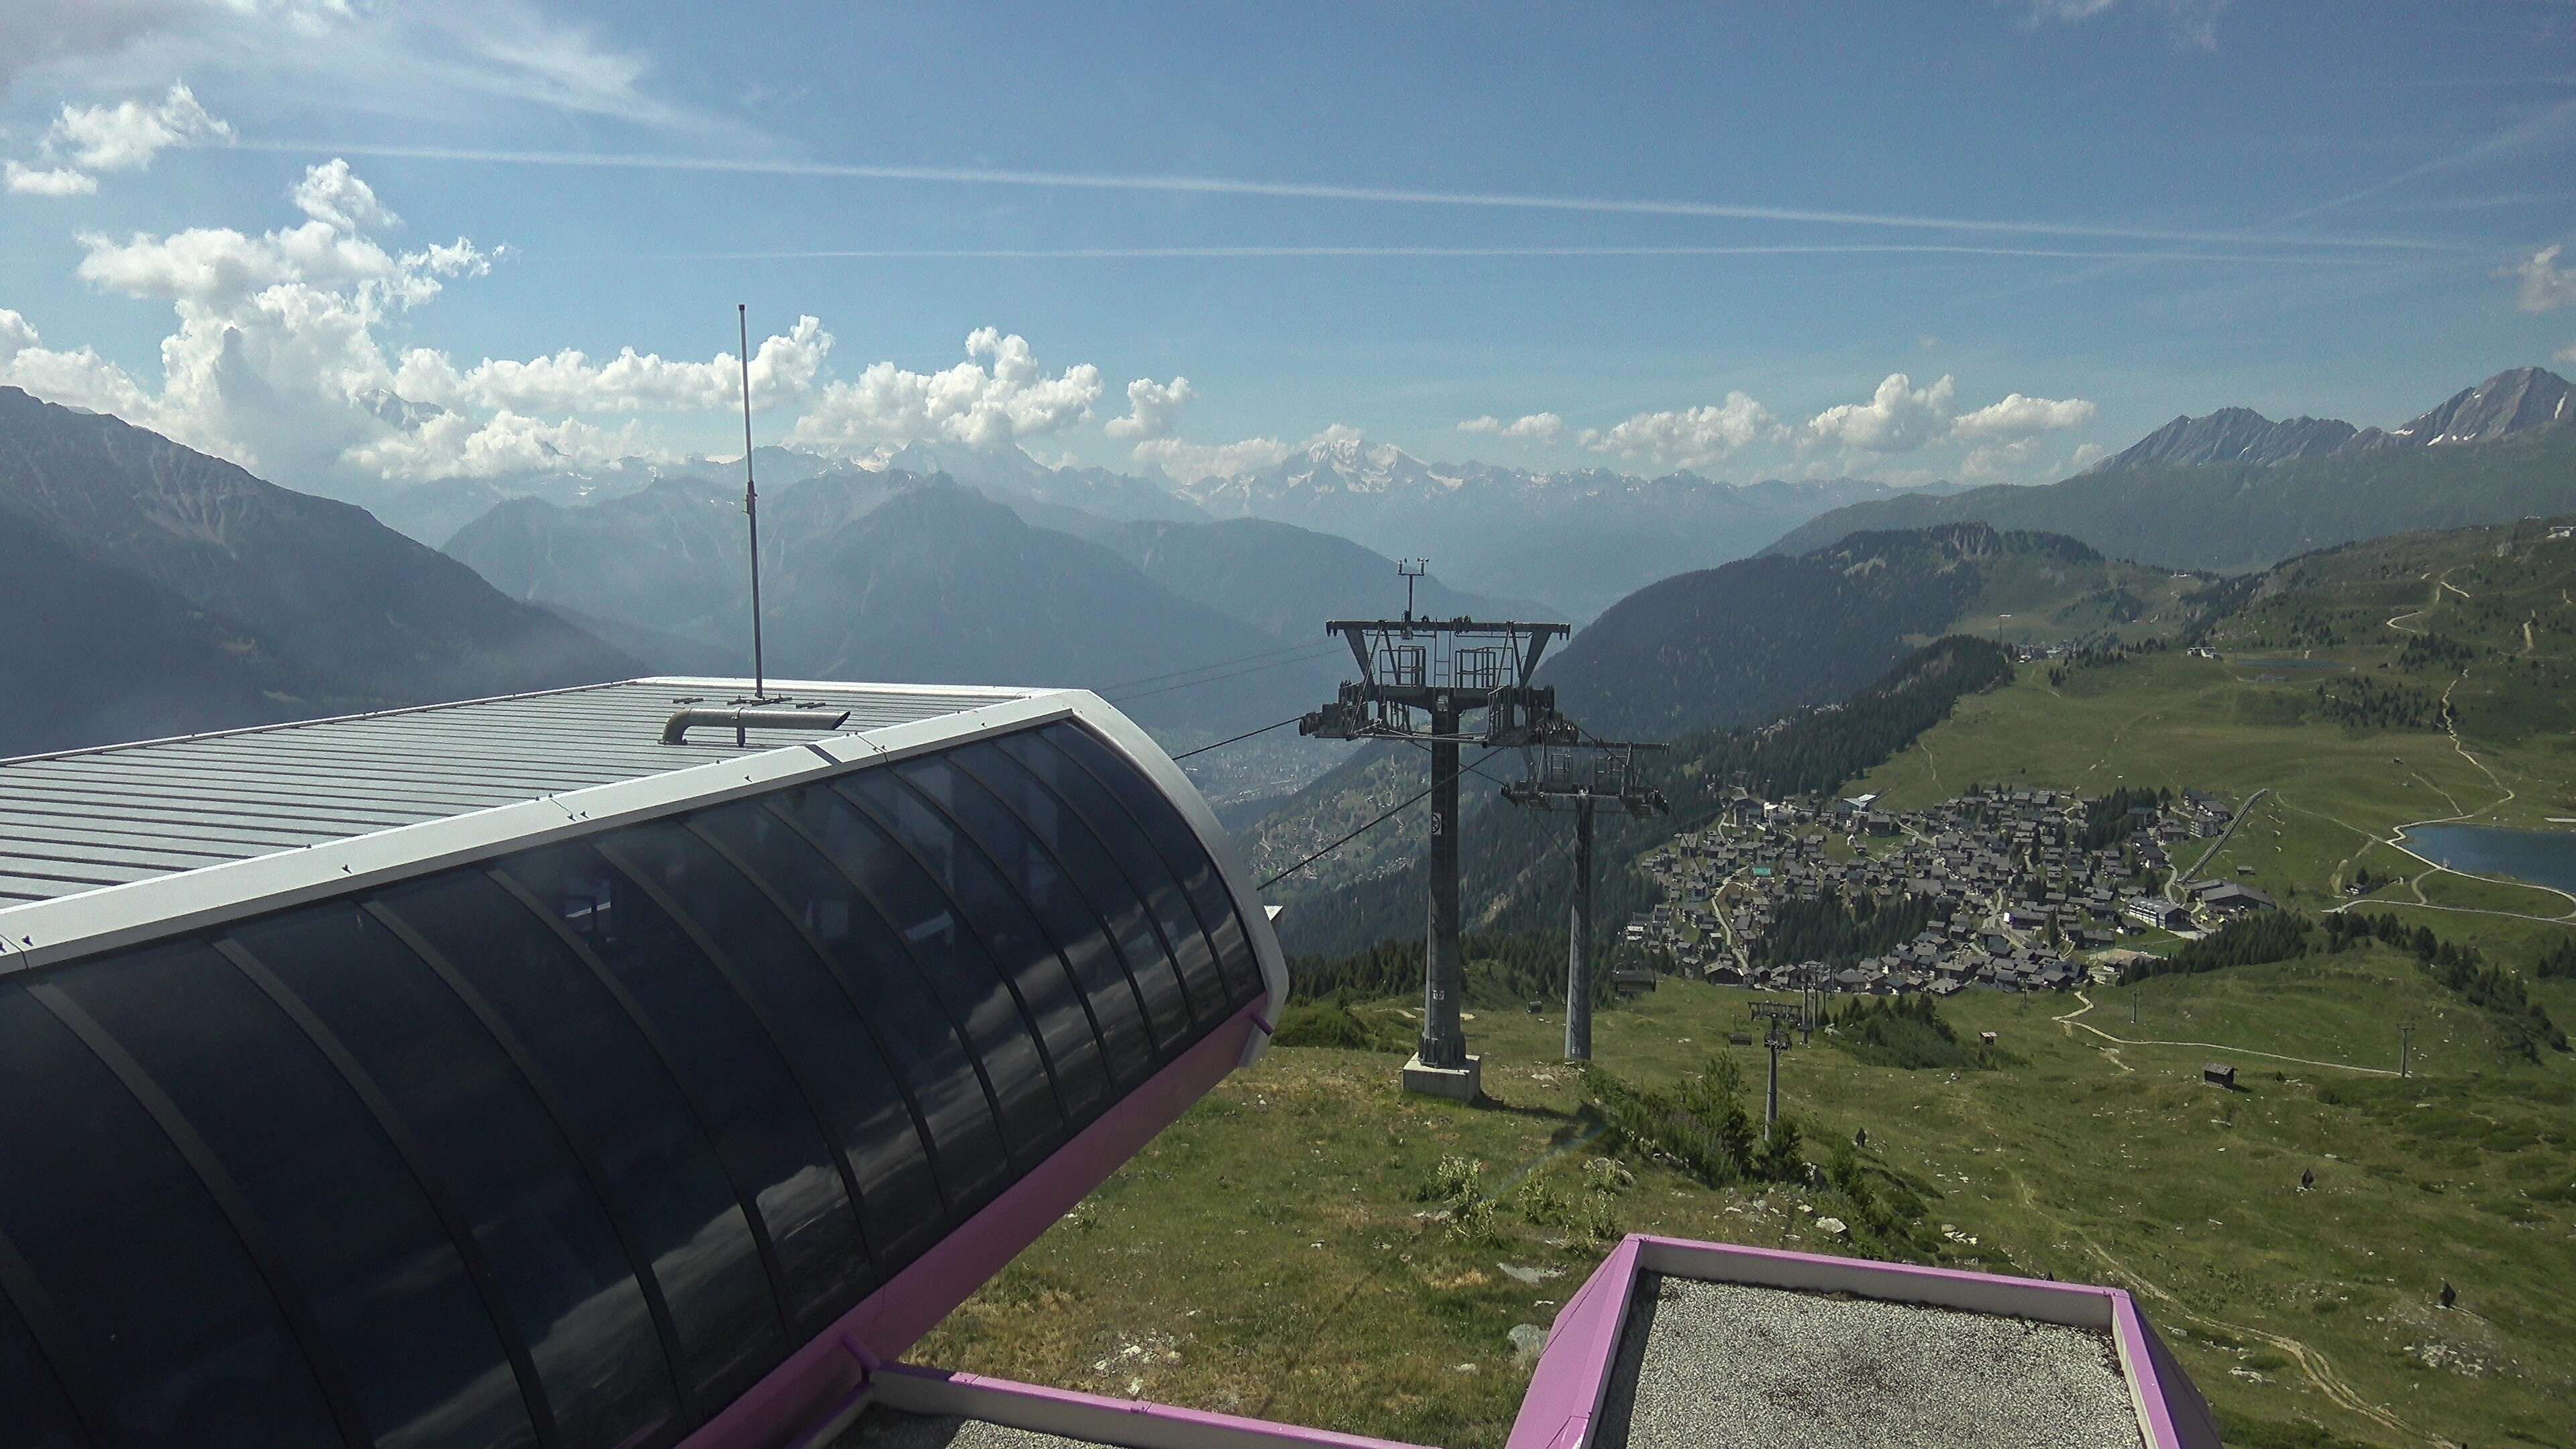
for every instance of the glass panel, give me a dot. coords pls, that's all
(765, 1133)
(567, 1284)
(877, 973)
(1104, 885)
(362, 1245)
(995, 917)
(1180, 845)
(1118, 832)
(806, 1015)
(996, 1029)
(625, 1113)
(38, 1416)
(1062, 915)
(161, 1301)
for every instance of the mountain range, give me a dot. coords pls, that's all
(2509, 402)
(1752, 640)
(2233, 492)
(891, 575)
(153, 589)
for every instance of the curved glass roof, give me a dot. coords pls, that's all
(572, 1144)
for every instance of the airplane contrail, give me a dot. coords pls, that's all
(1318, 191)
(1328, 251)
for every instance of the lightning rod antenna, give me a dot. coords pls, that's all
(751, 506)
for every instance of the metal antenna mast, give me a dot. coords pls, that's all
(751, 508)
(1446, 669)
(1562, 777)
(1411, 569)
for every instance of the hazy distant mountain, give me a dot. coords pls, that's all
(95, 653)
(1756, 638)
(885, 575)
(269, 604)
(1580, 539)
(2499, 451)
(432, 510)
(1288, 580)
(1010, 472)
(2229, 435)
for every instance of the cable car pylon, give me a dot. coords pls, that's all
(1585, 778)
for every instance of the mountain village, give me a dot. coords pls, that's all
(2017, 889)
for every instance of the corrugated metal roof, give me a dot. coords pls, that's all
(82, 820)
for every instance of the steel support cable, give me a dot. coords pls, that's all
(1238, 739)
(1338, 844)
(1223, 663)
(1220, 678)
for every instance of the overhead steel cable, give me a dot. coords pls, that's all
(1221, 678)
(1238, 739)
(1338, 844)
(1311, 644)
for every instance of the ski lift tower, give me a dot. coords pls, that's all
(1584, 778)
(1442, 683)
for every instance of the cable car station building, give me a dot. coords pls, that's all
(634, 1065)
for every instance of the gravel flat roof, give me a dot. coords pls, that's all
(1722, 1363)
(884, 1428)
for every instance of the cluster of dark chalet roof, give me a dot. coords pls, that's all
(2001, 867)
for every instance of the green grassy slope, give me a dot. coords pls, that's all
(1272, 1253)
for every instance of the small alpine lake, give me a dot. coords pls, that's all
(2541, 857)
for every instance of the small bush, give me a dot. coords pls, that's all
(1901, 1031)
(1779, 1160)
(1541, 1203)
(1605, 1175)
(1475, 1222)
(1454, 1181)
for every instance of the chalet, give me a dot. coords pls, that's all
(2157, 911)
(2230, 899)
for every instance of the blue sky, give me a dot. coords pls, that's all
(1909, 241)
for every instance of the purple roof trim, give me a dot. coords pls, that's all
(2176, 1413)
(900, 1311)
(1220, 1429)
(1574, 1369)
(1573, 1373)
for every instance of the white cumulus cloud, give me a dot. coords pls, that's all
(784, 369)
(971, 403)
(29, 180)
(2545, 286)
(86, 140)
(1153, 409)
(2018, 417)
(1190, 462)
(1540, 428)
(80, 379)
(1898, 418)
(1689, 437)
(2086, 455)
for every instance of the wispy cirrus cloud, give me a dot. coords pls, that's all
(1328, 191)
(2543, 285)
(453, 60)
(2191, 23)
